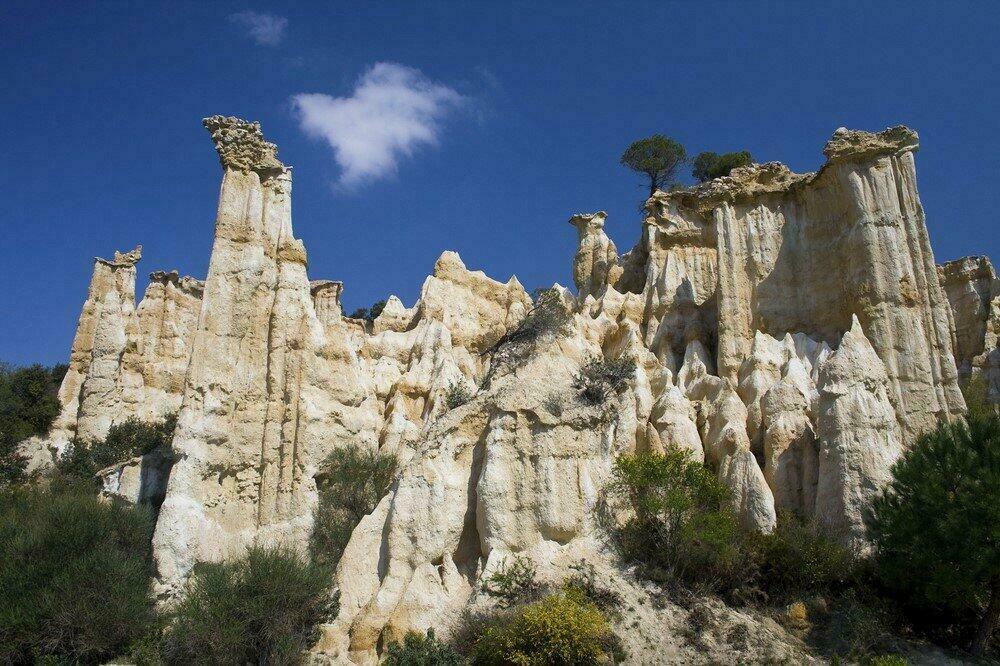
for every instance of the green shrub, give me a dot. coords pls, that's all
(125, 440)
(417, 650)
(936, 527)
(457, 394)
(262, 608)
(561, 629)
(74, 577)
(351, 482)
(512, 582)
(548, 317)
(599, 379)
(796, 559)
(680, 525)
(707, 166)
(28, 406)
(369, 314)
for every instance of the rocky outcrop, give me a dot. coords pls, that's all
(93, 392)
(268, 393)
(596, 264)
(974, 294)
(790, 331)
(859, 436)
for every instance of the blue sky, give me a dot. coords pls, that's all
(486, 126)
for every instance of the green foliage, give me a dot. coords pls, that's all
(886, 660)
(707, 166)
(74, 577)
(680, 525)
(548, 317)
(659, 157)
(457, 394)
(797, 559)
(124, 441)
(417, 650)
(351, 483)
(599, 379)
(512, 582)
(976, 390)
(262, 608)
(936, 527)
(561, 629)
(28, 405)
(369, 314)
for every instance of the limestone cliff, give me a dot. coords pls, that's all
(789, 331)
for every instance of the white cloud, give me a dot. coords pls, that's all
(392, 111)
(265, 29)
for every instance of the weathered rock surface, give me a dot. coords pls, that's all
(974, 294)
(268, 393)
(790, 331)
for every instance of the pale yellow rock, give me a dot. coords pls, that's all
(859, 437)
(596, 264)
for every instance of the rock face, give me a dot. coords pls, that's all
(974, 294)
(789, 331)
(268, 393)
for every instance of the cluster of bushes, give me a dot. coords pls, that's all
(74, 576)
(531, 625)
(599, 379)
(84, 459)
(28, 406)
(369, 314)
(935, 530)
(351, 482)
(75, 587)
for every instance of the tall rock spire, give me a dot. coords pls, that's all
(267, 395)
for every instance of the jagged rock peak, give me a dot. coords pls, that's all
(848, 144)
(966, 268)
(123, 260)
(241, 145)
(185, 283)
(585, 221)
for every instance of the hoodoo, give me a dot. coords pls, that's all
(790, 331)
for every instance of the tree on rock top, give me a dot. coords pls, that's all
(659, 157)
(707, 166)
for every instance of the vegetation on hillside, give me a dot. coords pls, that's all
(28, 406)
(351, 482)
(74, 577)
(936, 528)
(261, 608)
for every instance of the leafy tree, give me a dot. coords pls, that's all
(659, 157)
(351, 483)
(74, 577)
(28, 406)
(369, 314)
(681, 525)
(707, 166)
(936, 527)
(262, 608)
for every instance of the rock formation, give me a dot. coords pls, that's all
(790, 331)
(974, 294)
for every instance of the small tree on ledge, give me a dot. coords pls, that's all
(659, 157)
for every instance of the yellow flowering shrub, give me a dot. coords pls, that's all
(564, 628)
